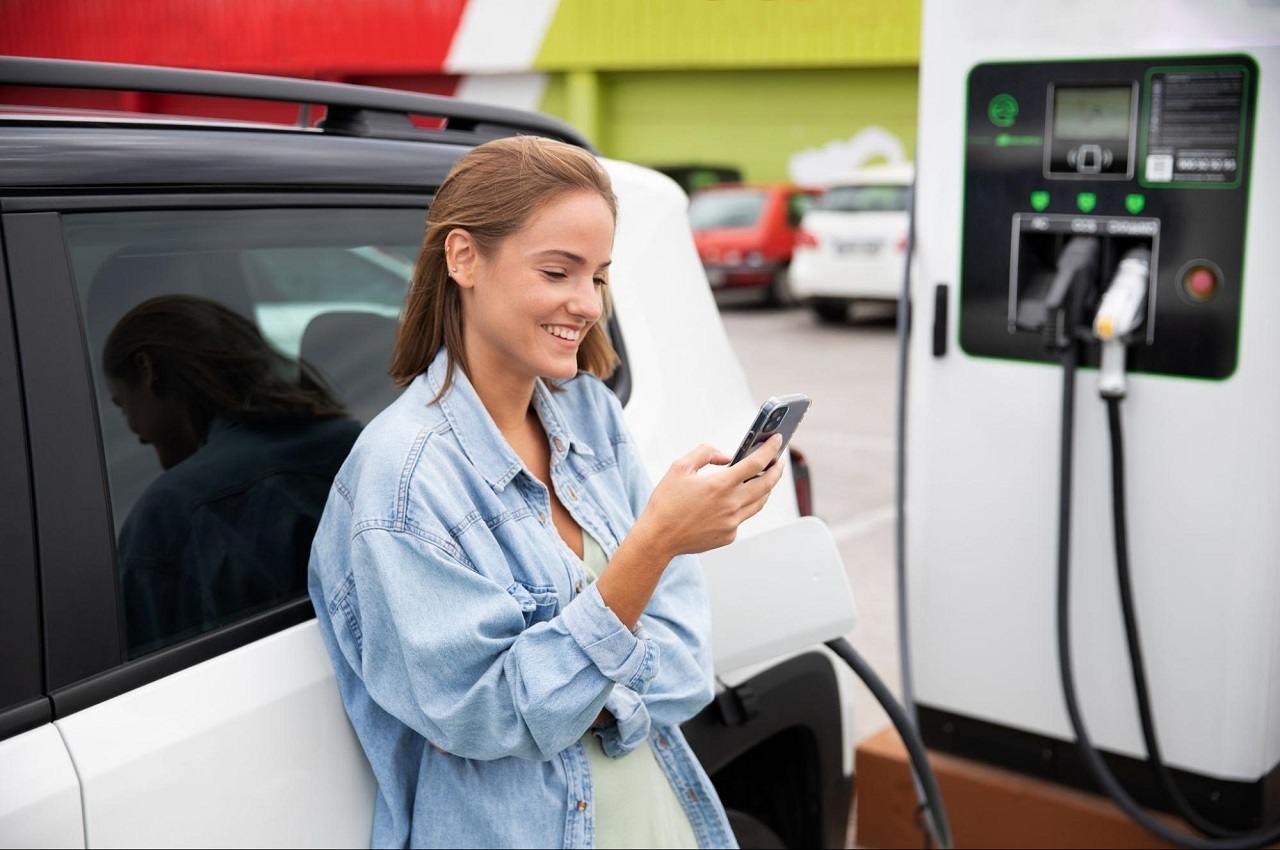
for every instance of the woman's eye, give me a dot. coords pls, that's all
(601, 282)
(554, 275)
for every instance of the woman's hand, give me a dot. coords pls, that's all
(689, 513)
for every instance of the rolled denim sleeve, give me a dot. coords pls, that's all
(446, 650)
(628, 725)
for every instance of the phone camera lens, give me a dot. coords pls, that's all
(776, 419)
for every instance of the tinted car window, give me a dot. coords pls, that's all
(236, 355)
(864, 199)
(725, 208)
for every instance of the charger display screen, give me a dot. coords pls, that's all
(1093, 114)
(1090, 132)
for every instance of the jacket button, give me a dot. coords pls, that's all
(577, 588)
(582, 805)
(542, 517)
(572, 495)
(559, 445)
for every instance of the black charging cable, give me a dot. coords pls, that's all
(1137, 666)
(936, 810)
(1093, 761)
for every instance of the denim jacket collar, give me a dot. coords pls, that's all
(479, 436)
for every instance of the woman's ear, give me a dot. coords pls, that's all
(460, 256)
(146, 370)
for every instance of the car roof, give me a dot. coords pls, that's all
(368, 139)
(69, 157)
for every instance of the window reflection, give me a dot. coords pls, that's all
(249, 441)
(244, 349)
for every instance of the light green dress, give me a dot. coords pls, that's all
(635, 804)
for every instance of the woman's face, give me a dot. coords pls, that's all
(160, 422)
(527, 308)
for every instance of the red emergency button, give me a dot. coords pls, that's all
(1200, 282)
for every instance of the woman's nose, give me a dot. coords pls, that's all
(587, 302)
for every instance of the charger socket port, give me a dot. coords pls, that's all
(1038, 243)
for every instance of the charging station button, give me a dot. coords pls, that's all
(1200, 282)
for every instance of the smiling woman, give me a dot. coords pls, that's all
(516, 616)
(557, 203)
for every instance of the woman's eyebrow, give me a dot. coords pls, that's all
(571, 257)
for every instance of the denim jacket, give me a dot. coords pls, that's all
(470, 651)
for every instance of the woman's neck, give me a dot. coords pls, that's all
(505, 395)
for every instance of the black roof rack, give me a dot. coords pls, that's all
(351, 110)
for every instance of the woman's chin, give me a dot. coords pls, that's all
(562, 370)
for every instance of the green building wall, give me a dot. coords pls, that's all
(753, 119)
(744, 83)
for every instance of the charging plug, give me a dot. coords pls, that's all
(1119, 315)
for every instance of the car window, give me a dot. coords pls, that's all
(865, 199)
(236, 356)
(725, 208)
(798, 204)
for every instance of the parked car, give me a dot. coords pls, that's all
(852, 244)
(229, 730)
(745, 235)
(693, 177)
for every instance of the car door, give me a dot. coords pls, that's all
(229, 730)
(39, 794)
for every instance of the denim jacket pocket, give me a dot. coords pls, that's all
(537, 602)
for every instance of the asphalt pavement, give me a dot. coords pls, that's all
(847, 436)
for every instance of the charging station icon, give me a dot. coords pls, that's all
(1003, 110)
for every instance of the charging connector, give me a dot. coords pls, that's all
(1119, 315)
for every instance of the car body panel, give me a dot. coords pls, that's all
(252, 747)
(853, 254)
(39, 792)
(858, 255)
(749, 255)
(762, 624)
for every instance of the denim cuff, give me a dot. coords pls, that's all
(625, 658)
(630, 725)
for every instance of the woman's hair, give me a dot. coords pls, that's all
(216, 362)
(492, 192)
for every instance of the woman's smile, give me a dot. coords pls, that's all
(566, 336)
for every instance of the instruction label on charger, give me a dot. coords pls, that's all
(1195, 126)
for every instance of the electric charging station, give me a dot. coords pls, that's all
(1099, 178)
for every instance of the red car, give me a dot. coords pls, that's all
(745, 234)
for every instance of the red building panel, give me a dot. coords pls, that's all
(392, 43)
(306, 38)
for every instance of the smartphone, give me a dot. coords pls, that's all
(778, 415)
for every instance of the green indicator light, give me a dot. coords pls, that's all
(1003, 110)
(1039, 201)
(1086, 201)
(1135, 203)
(1004, 140)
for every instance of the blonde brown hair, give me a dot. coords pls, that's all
(491, 193)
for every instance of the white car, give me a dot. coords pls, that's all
(234, 734)
(852, 243)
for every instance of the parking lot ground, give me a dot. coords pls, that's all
(849, 372)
